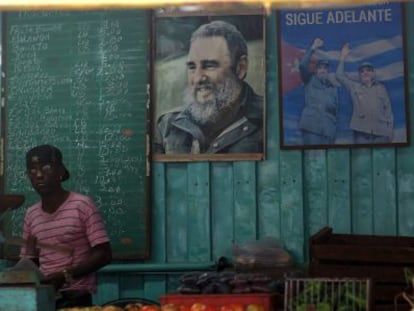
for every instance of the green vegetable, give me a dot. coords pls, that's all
(326, 295)
(323, 306)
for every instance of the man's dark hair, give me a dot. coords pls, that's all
(235, 40)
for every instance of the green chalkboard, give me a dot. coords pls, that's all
(78, 80)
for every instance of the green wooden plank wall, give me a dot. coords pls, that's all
(199, 209)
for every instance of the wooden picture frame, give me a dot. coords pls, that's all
(175, 85)
(341, 111)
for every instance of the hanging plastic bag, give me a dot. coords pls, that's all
(265, 253)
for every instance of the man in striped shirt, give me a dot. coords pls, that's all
(69, 221)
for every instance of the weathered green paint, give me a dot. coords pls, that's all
(268, 193)
(339, 190)
(177, 218)
(222, 199)
(198, 212)
(404, 158)
(108, 288)
(316, 196)
(154, 287)
(245, 205)
(361, 191)
(130, 286)
(159, 215)
(292, 202)
(384, 185)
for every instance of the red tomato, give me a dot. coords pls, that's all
(237, 306)
(226, 308)
(198, 306)
(169, 307)
(184, 308)
(254, 307)
(150, 308)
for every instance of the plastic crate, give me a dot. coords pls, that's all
(268, 301)
(308, 293)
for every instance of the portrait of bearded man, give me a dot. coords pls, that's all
(221, 113)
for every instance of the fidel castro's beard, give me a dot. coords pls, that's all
(224, 104)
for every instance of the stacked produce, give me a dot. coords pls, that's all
(327, 295)
(226, 283)
(128, 307)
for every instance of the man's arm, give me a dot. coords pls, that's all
(305, 73)
(99, 253)
(99, 256)
(340, 72)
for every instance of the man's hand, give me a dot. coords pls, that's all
(31, 246)
(345, 51)
(317, 43)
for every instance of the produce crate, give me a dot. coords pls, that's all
(379, 258)
(327, 294)
(268, 301)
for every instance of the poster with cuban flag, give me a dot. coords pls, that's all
(342, 77)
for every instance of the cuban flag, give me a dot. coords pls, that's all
(374, 34)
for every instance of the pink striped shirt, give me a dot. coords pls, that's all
(78, 224)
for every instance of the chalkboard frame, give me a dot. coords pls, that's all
(12, 252)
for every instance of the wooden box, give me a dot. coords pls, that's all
(379, 258)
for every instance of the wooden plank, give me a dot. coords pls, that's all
(245, 203)
(198, 226)
(158, 213)
(405, 163)
(384, 189)
(131, 286)
(404, 255)
(176, 197)
(361, 191)
(292, 206)
(222, 198)
(268, 195)
(315, 195)
(107, 288)
(339, 189)
(405, 198)
(268, 171)
(154, 286)
(368, 240)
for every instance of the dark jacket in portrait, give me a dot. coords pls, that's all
(176, 133)
(319, 114)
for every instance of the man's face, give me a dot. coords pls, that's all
(45, 177)
(212, 83)
(366, 75)
(322, 72)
